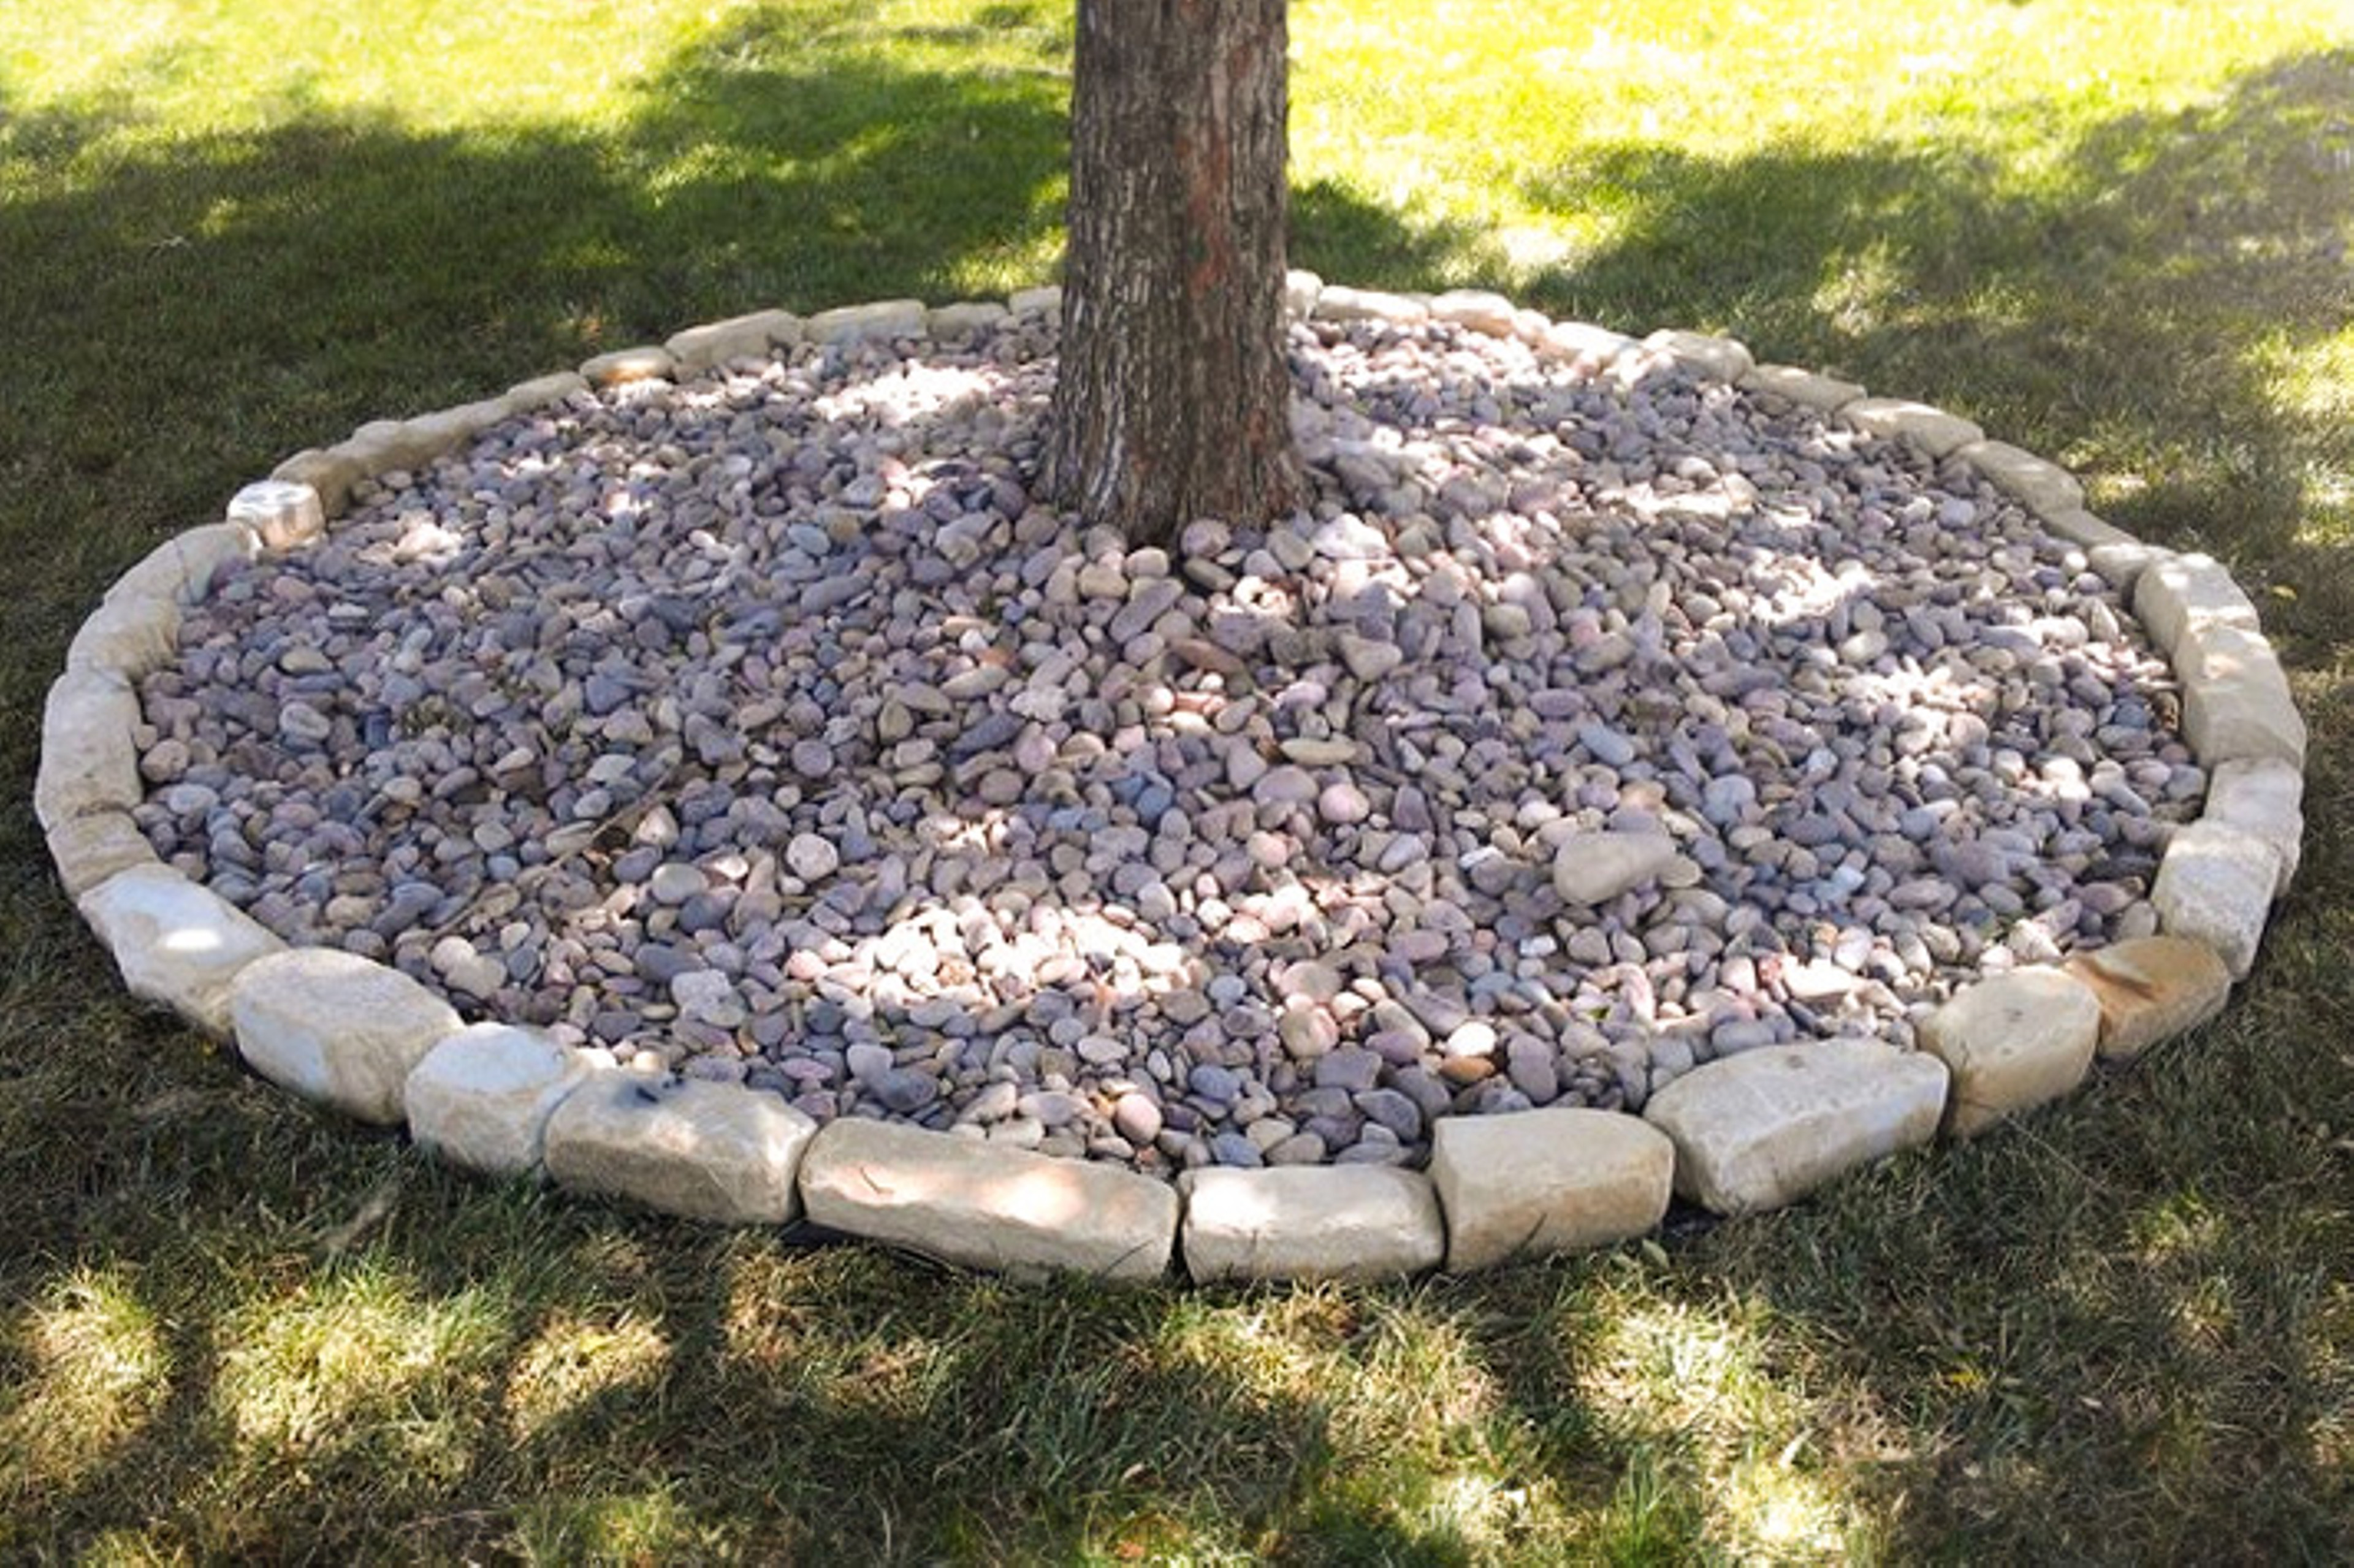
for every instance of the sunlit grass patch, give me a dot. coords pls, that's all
(91, 1368)
(358, 1360)
(645, 1526)
(1696, 1395)
(568, 1363)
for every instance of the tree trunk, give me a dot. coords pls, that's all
(1172, 400)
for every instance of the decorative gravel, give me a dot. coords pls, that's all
(1588, 727)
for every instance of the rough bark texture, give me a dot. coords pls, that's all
(1173, 396)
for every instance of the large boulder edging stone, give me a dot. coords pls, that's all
(177, 944)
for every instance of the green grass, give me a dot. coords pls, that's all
(2119, 234)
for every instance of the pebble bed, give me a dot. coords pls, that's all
(1589, 725)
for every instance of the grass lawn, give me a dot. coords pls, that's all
(2115, 233)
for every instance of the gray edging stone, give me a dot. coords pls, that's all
(1742, 1133)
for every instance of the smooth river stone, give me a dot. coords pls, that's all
(1542, 1181)
(2151, 989)
(1328, 1222)
(2013, 1042)
(339, 1030)
(1595, 867)
(679, 1146)
(988, 1206)
(177, 943)
(481, 1098)
(1762, 1130)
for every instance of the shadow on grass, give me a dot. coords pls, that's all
(2134, 307)
(2001, 1317)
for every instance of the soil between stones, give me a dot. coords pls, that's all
(1589, 725)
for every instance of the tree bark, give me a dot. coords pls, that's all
(1172, 402)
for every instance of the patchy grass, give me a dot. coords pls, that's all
(230, 1329)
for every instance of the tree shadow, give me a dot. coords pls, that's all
(2129, 310)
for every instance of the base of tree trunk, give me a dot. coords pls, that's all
(1172, 400)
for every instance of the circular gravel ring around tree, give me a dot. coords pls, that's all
(1759, 1121)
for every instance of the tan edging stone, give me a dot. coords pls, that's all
(2235, 698)
(964, 318)
(2184, 594)
(1476, 310)
(2013, 1042)
(1822, 394)
(1339, 302)
(2151, 989)
(986, 1205)
(739, 337)
(129, 635)
(1585, 344)
(1933, 430)
(1539, 1181)
(679, 1146)
(647, 362)
(89, 756)
(2042, 486)
(184, 567)
(481, 1098)
(1748, 1133)
(1721, 358)
(2263, 797)
(1045, 300)
(88, 850)
(1309, 1222)
(2215, 885)
(177, 944)
(331, 472)
(1764, 1128)
(339, 1030)
(852, 324)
